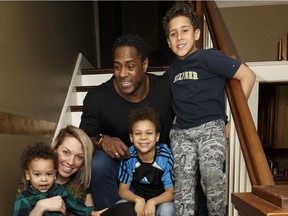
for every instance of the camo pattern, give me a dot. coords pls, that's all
(204, 146)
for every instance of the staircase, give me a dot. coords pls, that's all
(263, 200)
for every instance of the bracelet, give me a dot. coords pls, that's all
(99, 140)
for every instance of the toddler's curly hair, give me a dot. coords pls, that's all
(37, 150)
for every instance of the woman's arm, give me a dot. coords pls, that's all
(89, 200)
(98, 213)
(50, 204)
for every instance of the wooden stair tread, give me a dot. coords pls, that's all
(76, 108)
(96, 71)
(83, 88)
(276, 194)
(249, 204)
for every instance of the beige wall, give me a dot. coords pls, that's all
(256, 30)
(39, 45)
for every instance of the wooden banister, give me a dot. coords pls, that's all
(218, 31)
(251, 146)
(266, 198)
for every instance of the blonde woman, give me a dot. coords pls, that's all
(74, 149)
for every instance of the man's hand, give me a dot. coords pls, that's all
(114, 147)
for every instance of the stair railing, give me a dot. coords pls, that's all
(257, 166)
(265, 197)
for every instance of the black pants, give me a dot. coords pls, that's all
(121, 209)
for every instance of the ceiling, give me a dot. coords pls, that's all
(237, 3)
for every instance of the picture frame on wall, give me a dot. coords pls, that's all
(283, 48)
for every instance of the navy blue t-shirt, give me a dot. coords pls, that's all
(198, 84)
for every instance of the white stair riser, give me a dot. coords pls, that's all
(73, 118)
(77, 98)
(76, 118)
(88, 80)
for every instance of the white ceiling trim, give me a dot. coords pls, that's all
(237, 3)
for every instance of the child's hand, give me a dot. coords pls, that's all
(98, 213)
(139, 206)
(52, 204)
(150, 208)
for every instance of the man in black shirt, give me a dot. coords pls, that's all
(106, 110)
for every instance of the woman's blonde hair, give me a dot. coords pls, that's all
(84, 173)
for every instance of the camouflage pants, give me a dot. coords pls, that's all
(204, 146)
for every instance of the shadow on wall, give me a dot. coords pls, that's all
(10, 167)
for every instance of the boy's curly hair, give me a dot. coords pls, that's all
(180, 9)
(38, 150)
(144, 113)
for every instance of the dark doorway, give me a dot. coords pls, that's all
(138, 17)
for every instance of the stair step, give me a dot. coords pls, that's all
(276, 194)
(96, 71)
(76, 98)
(92, 79)
(110, 70)
(76, 108)
(76, 118)
(83, 88)
(249, 204)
